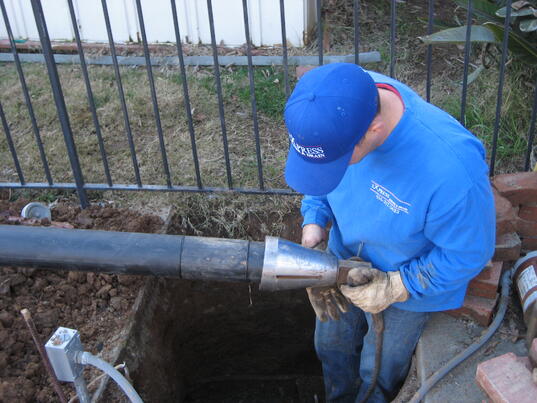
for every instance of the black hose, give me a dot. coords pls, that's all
(360, 278)
(378, 326)
(459, 358)
(186, 257)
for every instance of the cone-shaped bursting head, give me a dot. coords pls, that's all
(289, 266)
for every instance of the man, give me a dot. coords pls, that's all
(405, 187)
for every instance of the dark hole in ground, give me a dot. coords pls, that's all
(224, 342)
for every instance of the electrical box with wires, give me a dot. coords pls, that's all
(61, 349)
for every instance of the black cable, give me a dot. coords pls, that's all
(459, 358)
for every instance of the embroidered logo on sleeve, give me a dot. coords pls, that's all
(390, 200)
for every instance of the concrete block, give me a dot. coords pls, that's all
(518, 188)
(507, 247)
(507, 379)
(505, 214)
(476, 308)
(486, 283)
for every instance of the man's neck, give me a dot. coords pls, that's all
(391, 110)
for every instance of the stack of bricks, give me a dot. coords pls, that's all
(515, 197)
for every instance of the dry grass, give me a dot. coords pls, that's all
(174, 125)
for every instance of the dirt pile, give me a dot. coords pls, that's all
(95, 304)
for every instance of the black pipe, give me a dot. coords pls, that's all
(179, 256)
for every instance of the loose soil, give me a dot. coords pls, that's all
(97, 305)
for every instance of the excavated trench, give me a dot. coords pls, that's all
(223, 342)
(220, 342)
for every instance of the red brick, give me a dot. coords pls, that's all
(529, 243)
(526, 228)
(507, 379)
(528, 213)
(533, 353)
(486, 283)
(518, 188)
(507, 247)
(476, 308)
(301, 70)
(505, 214)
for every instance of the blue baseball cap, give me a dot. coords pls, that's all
(327, 114)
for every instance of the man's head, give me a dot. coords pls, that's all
(327, 114)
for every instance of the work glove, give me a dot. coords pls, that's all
(374, 290)
(327, 302)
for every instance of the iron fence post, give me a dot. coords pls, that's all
(59, 101)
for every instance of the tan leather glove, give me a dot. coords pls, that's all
(327, 302)
(378, 291)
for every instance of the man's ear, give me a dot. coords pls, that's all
(377, 126)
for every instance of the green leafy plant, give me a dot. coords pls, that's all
(491, 16)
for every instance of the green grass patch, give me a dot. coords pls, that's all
(269, 88)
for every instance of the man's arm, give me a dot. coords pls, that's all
(464, 238)
(316, 210)
(317, 214)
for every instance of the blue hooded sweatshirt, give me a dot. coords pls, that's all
(421, 203)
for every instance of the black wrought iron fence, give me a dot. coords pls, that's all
(82, 186)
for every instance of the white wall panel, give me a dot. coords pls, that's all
(264, 16)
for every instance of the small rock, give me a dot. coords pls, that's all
(69, 293)
(5, 287)
(126, 279)
(31, 369)
(28, 271)
(43, 396)
(5, 340)
(17, 279)
(106, 278)
(90, 278)
(76, 277)
(48, 318)
(84, 221)
(6, 318)
(39, 284)
(112, 292)
(8, 392)
(103, 290)
(115, 302)
(84, 289)
(27, 389)
(17, 347)
(55, 279)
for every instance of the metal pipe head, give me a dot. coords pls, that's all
(287, 266)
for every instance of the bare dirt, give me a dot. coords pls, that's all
(97, 305)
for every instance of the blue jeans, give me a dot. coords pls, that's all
(346, 348)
